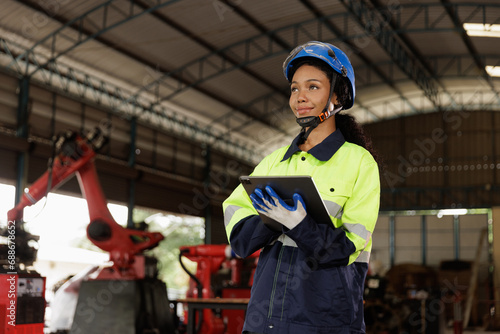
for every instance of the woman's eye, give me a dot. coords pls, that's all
(313, 87)
(293, 89)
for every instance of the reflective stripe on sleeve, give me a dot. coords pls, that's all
(363, 257)
(229, 213)
(358, 229)
(334, 209)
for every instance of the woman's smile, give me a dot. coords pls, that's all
(303, 111)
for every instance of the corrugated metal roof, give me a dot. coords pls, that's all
(207, 58)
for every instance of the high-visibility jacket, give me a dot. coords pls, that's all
(310, 279)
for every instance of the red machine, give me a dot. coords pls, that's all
(132, 277)
(22, 303)
(210, 260)
(22, 298)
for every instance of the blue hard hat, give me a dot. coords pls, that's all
(328, 53)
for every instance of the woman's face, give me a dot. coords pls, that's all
(310, 89)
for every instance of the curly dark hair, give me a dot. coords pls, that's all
(353, 131)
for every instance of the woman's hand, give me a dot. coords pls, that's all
(270, 204)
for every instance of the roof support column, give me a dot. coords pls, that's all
(495, 235)
(22, 132)
(456, 236)
(392, 232)
(131, 164)
(208, 209)
(423, 221)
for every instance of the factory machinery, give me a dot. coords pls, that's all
(126, 296)
(219, 274)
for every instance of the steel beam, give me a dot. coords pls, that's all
(207, 154)
(264, 46)
(319, 15)
(376, 26)
(392, 239)
(495, 317)
(434, 192)
(456, 236)
(88, 86)
(254, 47)
(161, 69)
(22, 132)
(214, 64)
(423, 225)
(131, 164)
(452, 11)
(102, 94)
(111, 8)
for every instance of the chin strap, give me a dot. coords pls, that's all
(311, 122)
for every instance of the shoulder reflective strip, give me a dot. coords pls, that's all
(229, 213)
(363, 257)
(334, 209)
(358, 229)
(287, 241)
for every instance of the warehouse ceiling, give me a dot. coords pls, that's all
(210, 70)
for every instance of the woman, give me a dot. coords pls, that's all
(310, 275)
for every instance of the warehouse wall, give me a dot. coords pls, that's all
(439, 160)
(428, 243)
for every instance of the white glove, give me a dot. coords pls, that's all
(270, 204)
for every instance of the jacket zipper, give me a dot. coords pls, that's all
(286, 284)
(275, 281)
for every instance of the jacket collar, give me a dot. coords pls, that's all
(324, 151)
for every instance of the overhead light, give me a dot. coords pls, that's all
(493, 71)
(451, 212)
(482, 30)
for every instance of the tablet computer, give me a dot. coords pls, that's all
(285, 187)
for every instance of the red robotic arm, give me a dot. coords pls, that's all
(75, 155)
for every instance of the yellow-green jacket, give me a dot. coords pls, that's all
(310, 279)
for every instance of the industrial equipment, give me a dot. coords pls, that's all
(209, 283)
(125, 297)
(22, 301)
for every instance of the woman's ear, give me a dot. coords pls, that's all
(331, 107)
(333, 102)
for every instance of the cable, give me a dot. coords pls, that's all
(198, 285)
(50, 167)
